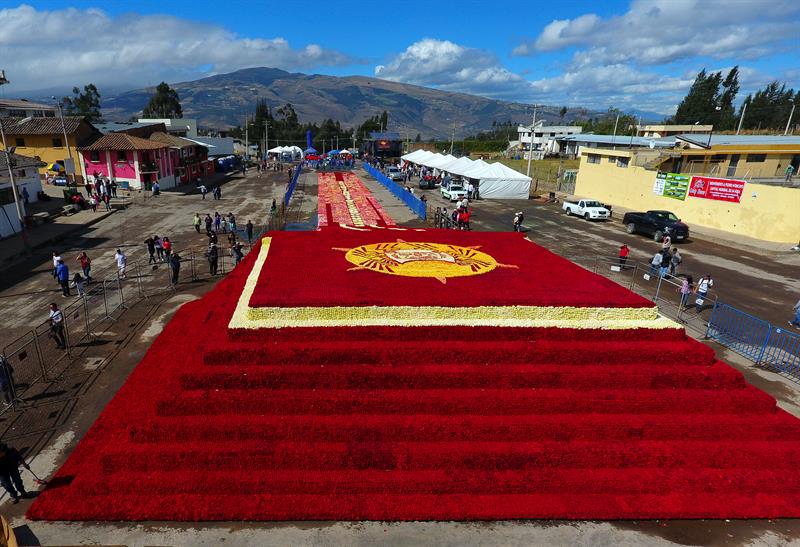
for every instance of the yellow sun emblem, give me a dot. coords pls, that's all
(418, 259)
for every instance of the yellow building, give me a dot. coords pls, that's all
(43, 138)
(763, 206)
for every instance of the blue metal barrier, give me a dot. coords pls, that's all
(765, 344)
(292, 184)
(417, 206)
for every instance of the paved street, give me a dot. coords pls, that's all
(27, 288)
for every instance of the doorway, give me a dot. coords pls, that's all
(733, 165)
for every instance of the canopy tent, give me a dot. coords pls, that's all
(310, 150)
(276, 150)
(456, 167)
(438, 161)
(497, 181)
(345, 152)
(417, 156)
(332, 152)
(295, 151)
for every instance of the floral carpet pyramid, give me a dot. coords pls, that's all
(392, 374)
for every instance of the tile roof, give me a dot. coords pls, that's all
(25, 104)
(17, 161)
(41, 126)
(123, 141)
(171, 140)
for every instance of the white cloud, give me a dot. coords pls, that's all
(453, 67)
(42, 49)
(662, 31)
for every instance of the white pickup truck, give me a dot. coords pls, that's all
(587, 208)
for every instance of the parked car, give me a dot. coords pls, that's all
(395, 174)
(656, 224)
(453, 191)
(587, 208)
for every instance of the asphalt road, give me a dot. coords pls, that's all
(764, 284)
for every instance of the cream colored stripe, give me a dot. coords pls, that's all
(240, 313)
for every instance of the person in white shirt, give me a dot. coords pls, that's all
(57, 326)
(703, 287)
(122, 262)
(56, 259)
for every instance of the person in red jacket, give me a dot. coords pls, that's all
(464, 220)
(623, 256)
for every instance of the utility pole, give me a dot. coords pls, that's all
(614, 137)
(530, 146)
(633, 130)
(66, 142)
(741, 118)
(17, 203)
(791, 114)
(266, 138)
(453, 137)
(246, 143)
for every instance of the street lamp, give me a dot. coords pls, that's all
(71, 165)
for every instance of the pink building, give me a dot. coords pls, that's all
(128, 159)
(189, 158)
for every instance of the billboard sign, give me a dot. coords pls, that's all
(715, 188)
(671, 185)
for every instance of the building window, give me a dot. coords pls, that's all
(552, 134)
(122, 155)
(94, 156)
(57, 142)
(756, 158)
(593, 158)
(16, 113)
(19, 141)
(719, 157)
(612, 159)
(49, 114)
(623, 162)
(21, 173)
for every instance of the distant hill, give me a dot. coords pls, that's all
(224, 100)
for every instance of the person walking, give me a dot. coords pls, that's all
(77, 282)
(236, 253)
(175, 267)
(796, 310)
(122, 263)
(666, 257)
(86, 266)
(107, 201)
(655, 263)
(231, 222)
(203, 191)
(273, 208)
(249, 228)
(62, 272)
(624, 251)
(196, 222)
(217, 221)
(93, 203)
(10, 460)
(666, 242)
(151, 250)
(57, 326)
(213, 256)
(217, 192)
(518, 218)
(703, 285)
(675, 261)
(56, 259)
(209, 223)
(789, 172)
(113, 186)
(686, 289)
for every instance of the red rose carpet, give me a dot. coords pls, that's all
(383, 374)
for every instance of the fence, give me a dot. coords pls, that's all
(417, 206)
(35, 356)
(767, 345)
(292, 185)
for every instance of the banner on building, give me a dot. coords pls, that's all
(719, 189)
(671, 185)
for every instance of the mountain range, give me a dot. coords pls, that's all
(224, 100)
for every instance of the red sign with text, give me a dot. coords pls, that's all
(719, 189)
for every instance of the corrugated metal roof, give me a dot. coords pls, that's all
(112, 127)
(620, 140)
(123, 141)
(25, 104)
(18, 162)
(41, 126)
(743, 140)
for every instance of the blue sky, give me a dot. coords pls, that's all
(635, 55)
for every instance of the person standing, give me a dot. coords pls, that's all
(167, 244)
(231, 222)
(273, 208)
(7, 381)
(86, 266)
(213, 256)
(217, 221)
(196, 222)
(249, 227)
(203, 191)
(675, 261)
(107, 201)
(789, 172)
(25, 195)
(217, 192)
(175, 266)
(655, 263)
(666, 242)
(159, 248)
(62, 272)
(686, 289)
(796, 310)
(666, 257)
(151, 250)
(518, 218)
(56, 259)
(10, 460)
(703, 286)
(77, 282)
(57, 326)
(122, 263)
(236, 253)
(208, 223)
(156, 189)
(624, 251)
(113, 187)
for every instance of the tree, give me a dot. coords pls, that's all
(562, 113)
(769, 108)
(700, 104)
(86, 104)
(726, 114)
(165, 103)
(605, 124)
(418, 138)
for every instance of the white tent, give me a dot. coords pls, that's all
(417, 155)
(438, 161)
(497, 181)
(276, 150)
(457, 166)
(477, 166)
